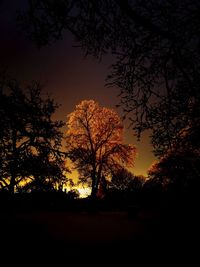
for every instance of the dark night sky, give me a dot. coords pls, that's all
(67, 75)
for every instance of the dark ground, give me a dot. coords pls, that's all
(118, 236)
(42, 229)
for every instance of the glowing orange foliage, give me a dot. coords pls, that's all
(95, 139)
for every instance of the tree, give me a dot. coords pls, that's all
(73, 194)
(95, 142)
(121, 180)
(156, 45)
(45, 173)
(177, 170)
(125, 183)
(30, 140)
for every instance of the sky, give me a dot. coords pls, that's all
(67, 75)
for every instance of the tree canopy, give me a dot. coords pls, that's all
(125, 181)
(95, 142)
(179, 168)
(156, 46)
(30, 141)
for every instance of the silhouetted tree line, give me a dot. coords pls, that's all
(51, 200)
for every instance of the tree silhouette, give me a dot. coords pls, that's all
(178, 170)
(47, 174)
(121, 179)
(156, 45)
(125, 186)
(95, 142)
(30, 140)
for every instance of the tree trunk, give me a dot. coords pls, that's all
(94, 182)
(93, 196)
(94, 188)
(13, 163)
(98, 179)
(12, 184)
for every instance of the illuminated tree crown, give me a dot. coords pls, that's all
(95, 142)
